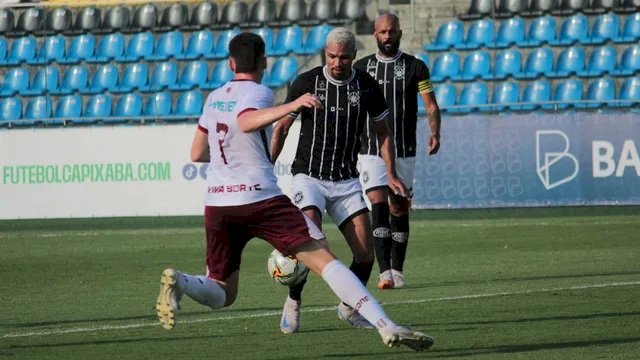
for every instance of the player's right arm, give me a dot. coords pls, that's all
(200, 146)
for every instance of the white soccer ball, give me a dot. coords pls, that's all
(285, 269)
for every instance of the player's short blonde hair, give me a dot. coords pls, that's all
(344, 37)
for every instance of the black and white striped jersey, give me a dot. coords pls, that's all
(330, 138)
(400, 78)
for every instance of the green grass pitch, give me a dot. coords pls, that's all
(556, 283)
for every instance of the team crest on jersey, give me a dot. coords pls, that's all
(321, 96)
(354, 98)
(365, 177)
(297, 197)
(398, 72)
(372, 73)
(322, 85)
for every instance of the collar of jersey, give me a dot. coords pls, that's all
(325, 70)
(388, 60)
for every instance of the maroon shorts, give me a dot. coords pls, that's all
(229, 229)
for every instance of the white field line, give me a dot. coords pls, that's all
(317, 309)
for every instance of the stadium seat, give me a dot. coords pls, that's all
(266, 33)
(30, 21)
(595, 7)
(51, 50)
(575, 29)
(194, 74)
(263, 12)
(169, 46)
(472, 98)
(315, 40)
(135, 77)
(321, 11)
(128, 106)
(568, 93)
(6, 20)
(570, 62)
(510, 32)
(204, 15)
(630, 32)
(629, 92)
(510, 8)
(445, 66)
(282, 72)
(165, 75)
(349, 11)
(629, 62)
(221, 50)
(507, 64)
(22, 50)
(68, 107)
(602, 61)
(158, 104)
(481, 33)
(15, 82)
(505, 96)
(117, 18)
(88, 19)
(74, 79)
(536, 95)
(105, 78)
(569, 7)
(234, 13)
(478, 9)
(450, 34)
(289, 39)
(220, 74)
(539, 62)
(445, 96)
(605, 27)
(542, 30)
(3, 50)
(38, 110)
(81, 48)
(602, 89)
(189, 104)
(422, 56)
(110, 47)
(144, 18)
(539, 7)
(174, 16)
(422, 109)
(476, 65)
(140, 47)
(44, 81)
(10, 109)
(98, 107)
(58, 20)
(200, 44)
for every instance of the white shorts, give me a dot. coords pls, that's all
(373, 172)
(342, 200)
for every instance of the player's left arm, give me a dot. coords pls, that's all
(425, 89)
(200, 146)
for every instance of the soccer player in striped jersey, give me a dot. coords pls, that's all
(400, 76)
(324, 170)
(243, 201)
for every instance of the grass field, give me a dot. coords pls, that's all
(561, 283)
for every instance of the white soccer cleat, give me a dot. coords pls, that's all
(353, 317)
(290, 320)
(386, 280)
(401, 335)
(169, 299)
(398, 279)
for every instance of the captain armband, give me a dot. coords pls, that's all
(425, 86)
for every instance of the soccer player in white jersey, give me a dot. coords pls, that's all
(243, 201)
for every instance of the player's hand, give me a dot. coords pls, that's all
(398, 188)
(434, 144)
(308, 101)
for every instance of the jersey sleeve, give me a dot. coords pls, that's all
(423, 78)
(261, 98)
(376, 103)
(361, 64)
(298, 88)
(202, 121)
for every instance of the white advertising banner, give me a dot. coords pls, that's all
(107, 171)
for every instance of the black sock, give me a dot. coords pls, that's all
(400, 236)
(295, 291)
(361, 270)
(381, 235)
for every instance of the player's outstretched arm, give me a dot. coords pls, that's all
(200, 147)
(254, 120)
(280, 132)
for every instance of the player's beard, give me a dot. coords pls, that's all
(390, 48)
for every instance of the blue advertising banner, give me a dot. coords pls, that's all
(531, 160)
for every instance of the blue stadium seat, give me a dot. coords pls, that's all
(289, 39)
(481, 33)
(629, 62)
(44, 81)
(472, 98)
(140, 47)
(606, 27)
(158, 104)
(105, 78)
(424, 57)
(630, 92)
(446, 95)
(282, 72)
(508, 63)
(542, 30)
(38, 109)
(22, 50)
(128, 106)
(510, 32)
(505, 96)
(450, 34)
(315, 40)
(200, 44)
(15, 82)
(536, 95)
(574, 29)
(81, 48)
(10, 109)
(98, 107)
(539, 62)
(194, 74)
(602, 61)
(630, 32)
(221, 50)
(135, 77)
(165, 75)
(422, 109)
(169, 45)
(111, 46)
(266, 33)
(570, 62)
(189, 104)
(445, 66)
(68, 107)
(76, 78)
(476, 65)
(3, 50)
(568, 93)
(603, 89)
(51, 50)
(220, 74)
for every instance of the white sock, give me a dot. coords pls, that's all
(202, 289)
(350, 290)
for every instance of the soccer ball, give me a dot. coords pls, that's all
(285, 269)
